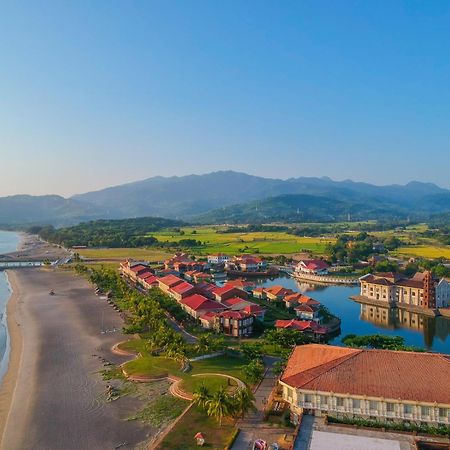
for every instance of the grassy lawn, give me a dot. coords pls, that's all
(226, 364)
(212, 382)
(134, 346)
(155, 366)
(181, 437)
(122, 253)
(425, 251)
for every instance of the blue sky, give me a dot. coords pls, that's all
(100, 93)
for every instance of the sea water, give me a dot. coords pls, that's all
(9, 242)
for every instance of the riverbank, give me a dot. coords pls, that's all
(8, 384)
(53, 395)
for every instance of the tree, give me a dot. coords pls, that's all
(201, 396)
(244, 401)
(219, 405)
(253, 371)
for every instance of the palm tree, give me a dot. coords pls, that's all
(244, 400)
(201, 396)
(203, 343)
(219, 405)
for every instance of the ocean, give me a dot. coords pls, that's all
(9, 242)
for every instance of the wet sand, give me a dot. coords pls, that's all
(53, 396)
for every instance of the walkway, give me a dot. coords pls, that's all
(252, 426)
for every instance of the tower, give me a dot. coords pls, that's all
(429, 291)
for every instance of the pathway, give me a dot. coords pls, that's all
(252, 426)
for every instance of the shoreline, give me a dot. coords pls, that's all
(9, 382)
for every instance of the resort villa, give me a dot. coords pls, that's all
(311, 267)
(382, 385)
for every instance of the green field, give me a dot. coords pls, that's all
(255, 242)
(424, 251)
(120, 254)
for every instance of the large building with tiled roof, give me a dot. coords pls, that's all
(422, 290)
(378, 384)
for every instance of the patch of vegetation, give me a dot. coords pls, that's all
(162, 409)
(441, 430)
(379, 341)
(196, 420)
(108, 233)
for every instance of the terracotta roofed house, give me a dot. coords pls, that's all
(195, 305)
(227, 291)
(378, 384)
(181, 290)
(312, 267)
(168, 282)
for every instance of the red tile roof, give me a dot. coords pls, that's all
(278, 290)
(315, 264)
(145, 273)
(301, 325)
(240, 283)
(151, 279)
(182, 288)
(234, 301)
(253, 308)
(234, 315)
(170, 280)
(226, 288)
(197, 302)
(138, 267)
(208, 315)
(422, 377)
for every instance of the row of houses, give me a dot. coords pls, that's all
(224, 309)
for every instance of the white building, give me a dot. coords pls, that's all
(218, 259)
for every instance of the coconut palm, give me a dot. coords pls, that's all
(219, 405)
(201, 395)
(243, 401)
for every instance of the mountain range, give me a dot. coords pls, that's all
(228, 196)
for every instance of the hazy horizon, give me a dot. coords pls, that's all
(207, 173)
(96, 94)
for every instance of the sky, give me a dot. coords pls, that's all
(98, 93)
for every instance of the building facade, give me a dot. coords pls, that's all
(382, 385)
(395, 290)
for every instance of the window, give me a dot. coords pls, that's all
(289, 392)
(323, 400)
(390, 407)
(356, 403)
(373, 405)
(339, 401)
(407, 409)
(443, 413)
(425, 410)
(308, 398)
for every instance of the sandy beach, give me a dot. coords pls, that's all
(52, 396)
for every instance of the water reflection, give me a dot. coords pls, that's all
(394, 318)
(417, 329)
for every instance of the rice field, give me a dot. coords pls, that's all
(254, 242)
(424, 251)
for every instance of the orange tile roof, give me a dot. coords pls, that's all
(413, 376)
